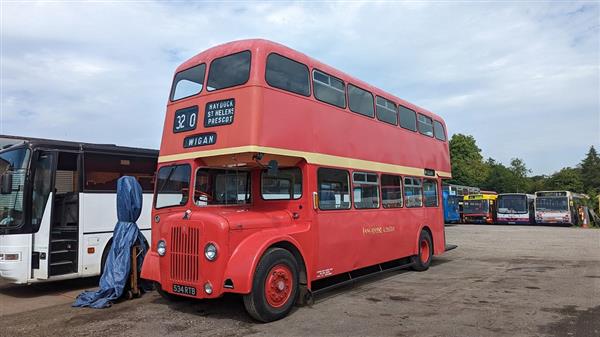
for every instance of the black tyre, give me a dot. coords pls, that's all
(422, 260)
(104, 257)
(275, 286)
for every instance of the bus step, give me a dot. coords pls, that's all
(450, 247)
(60, 263)
(63, 251)
(354, 276)
(62, 240)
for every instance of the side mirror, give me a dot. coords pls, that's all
(273, 168)
(6, 180)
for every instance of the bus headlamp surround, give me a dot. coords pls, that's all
(161, 247)
(210, 251)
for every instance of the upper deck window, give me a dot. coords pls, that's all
(386, 111)
(360, 101)
(229, 71)
(408, 118)
(425, 125)
(188, 82)
(438, 131)
(287, 74)
(329, 89)
(286, 185)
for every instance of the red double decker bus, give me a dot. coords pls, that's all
(279, 175)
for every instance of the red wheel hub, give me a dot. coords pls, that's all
(425, 251)
(278, 285)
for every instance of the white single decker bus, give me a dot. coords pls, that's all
(558, 207)
(58, 205)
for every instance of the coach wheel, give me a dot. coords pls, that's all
(422, 260)
(275, 286)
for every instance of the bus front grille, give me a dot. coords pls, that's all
(185, 253)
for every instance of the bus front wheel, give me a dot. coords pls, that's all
(275, 286)
(422, 260)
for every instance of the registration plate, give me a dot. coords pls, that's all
(185, 290)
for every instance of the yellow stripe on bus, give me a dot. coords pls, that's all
(311, 157)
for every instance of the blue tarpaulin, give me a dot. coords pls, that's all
(126, 235)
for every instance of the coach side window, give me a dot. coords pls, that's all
(425, 125)
(229, 71)
(365, 190)
(360, 101)
(386, 111)
(287, 74)
(188, 82)
(391, 191)
(329, 89)
(334, 189)
(408, 118)
(413, 192)
(438, 131)
(430, 193)
(102, 171)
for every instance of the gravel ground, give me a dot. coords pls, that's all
(501, 281)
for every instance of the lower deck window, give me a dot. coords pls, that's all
(221, 187)
(172, 186)
(334, 189)
(285, 185)
(430, 193)
(413, 192)
(391, 191)
(366, 190)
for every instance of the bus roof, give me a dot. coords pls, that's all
(481, 197)
(258, 44)
(289, 127)
(11, 141)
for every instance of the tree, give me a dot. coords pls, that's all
(590, 171)
(567, 178)
(468, 167)
(519, 172)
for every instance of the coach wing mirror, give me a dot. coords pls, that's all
(272, 168)
(6, 180)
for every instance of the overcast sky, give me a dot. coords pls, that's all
(522, 77)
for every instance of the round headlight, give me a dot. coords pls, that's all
(208, 288)
(210, 251)
(161, 248)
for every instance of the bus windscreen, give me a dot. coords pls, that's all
(552, 204)
(475, 206)
(512, 204)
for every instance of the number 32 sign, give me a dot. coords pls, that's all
(185, 119)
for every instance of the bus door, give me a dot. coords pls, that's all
(43, 166)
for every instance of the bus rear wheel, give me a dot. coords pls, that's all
(422, 260)
(275, 286)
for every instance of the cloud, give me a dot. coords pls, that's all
(523, 78)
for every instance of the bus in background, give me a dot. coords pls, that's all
(480, 208)
(451, 206)
(515, 208)
(248, 202)
(57, 205)
(558, 207)
(454, 195)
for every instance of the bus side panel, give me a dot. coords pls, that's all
(350, 240)
(16, 271)
(97, 224)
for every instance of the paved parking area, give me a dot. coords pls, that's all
(501, 281)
